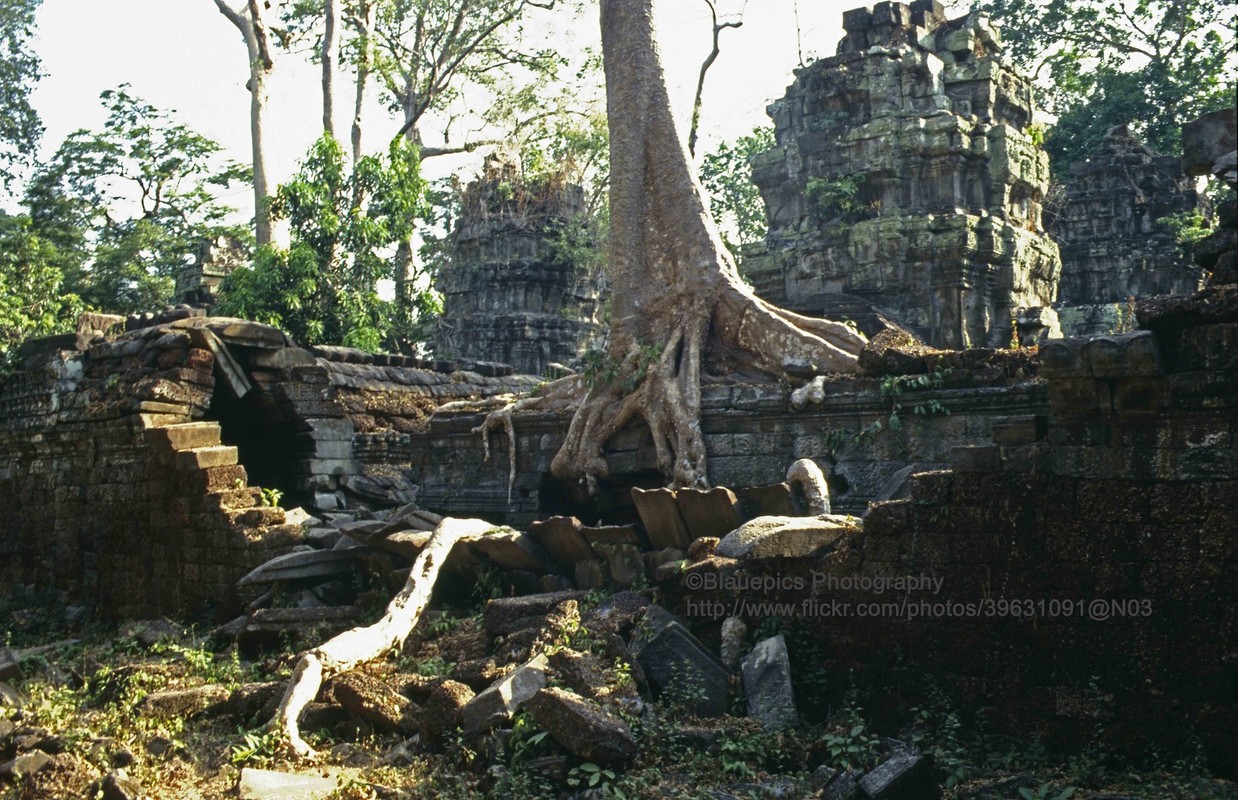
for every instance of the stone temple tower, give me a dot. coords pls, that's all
(523, 285)
(907, 182)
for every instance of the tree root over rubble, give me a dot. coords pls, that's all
(358, 646)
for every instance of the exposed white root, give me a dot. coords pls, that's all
(811, 480)
(360, 645)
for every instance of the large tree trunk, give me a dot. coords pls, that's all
(330, 46)
(360, 645)
(363, 21)
(678, 305)
(261, 62)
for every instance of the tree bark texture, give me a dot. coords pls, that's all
(330, 49)
(252, 26)
(678, 305)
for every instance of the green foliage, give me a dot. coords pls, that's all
(1151, 63)
(128, 206)
(271, 497)
(31, 300)
(601, 368)
(1188, 227)
(939, 733)
(20, 128)
(835, 199)
(257, 748)
(590, 776)
(726, 174)
(324, 288)
(849, 742)
(892, 389)
(527, 741)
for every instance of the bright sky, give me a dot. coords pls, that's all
(184, 55)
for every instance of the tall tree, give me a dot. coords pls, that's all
(1151, 63)
(252, 19)
(428, 51)
(330, 50)
(323, 289)
(20, 127)
(126, 207)
(678, 308)
(32, 302)
(360, 16)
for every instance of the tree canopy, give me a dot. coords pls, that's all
(1152, 63)
(323, 289)
(20, 128)
(127, 206)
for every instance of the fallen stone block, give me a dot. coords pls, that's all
(786, 537)
(306, 564)
(501, 701)
(506, 615)
(682, 669)
(511, 550)
(660, 515)
(767, 501)
(407, 544)
(369, 699)
(183, 703)
(10, 670)
(623, 563)
(265, 784)
(709, 512)
(25, 765)
(116, 785)
(442, 711)
(767, 684)
(582, 728)
(903, 776)
(611, 534)
(561, 538)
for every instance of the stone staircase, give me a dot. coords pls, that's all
(202, 459)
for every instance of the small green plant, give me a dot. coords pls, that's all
(835, 198)
(271, 497)
(434, 667)
(1036, 132)
(602, 369)
(488, 585)
(527, 741)
(941, 736)
(850, 744)
(892, 389)
(1045, 792)
(590, 776)
(685, 691)
(257, 748)
(834, 440)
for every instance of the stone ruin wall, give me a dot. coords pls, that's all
(1115, 246)
(1125, 488)
(126, 457)
(924, 117)
(514, 290)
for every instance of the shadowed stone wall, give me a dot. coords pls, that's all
(1116, 247)
(522, 286)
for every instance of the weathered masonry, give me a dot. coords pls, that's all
(906, 182)
(126, 458)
